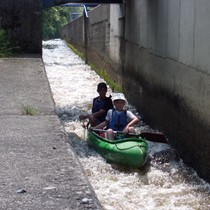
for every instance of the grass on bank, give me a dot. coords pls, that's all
(29, 110)
(5, 46)
(101, 72)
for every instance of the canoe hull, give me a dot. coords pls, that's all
(130, 152)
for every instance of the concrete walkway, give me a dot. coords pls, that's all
(38, 167)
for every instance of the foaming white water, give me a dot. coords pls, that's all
(164, 183)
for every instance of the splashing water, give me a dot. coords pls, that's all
(164, 183)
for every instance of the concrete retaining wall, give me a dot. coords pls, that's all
(159, 52)
(22, 20)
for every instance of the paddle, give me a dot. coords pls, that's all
(149, 136)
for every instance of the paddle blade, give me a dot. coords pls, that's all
(149, 136)
(154, 137)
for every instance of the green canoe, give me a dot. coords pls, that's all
(130, 152)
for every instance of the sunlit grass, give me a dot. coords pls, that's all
(101, 72)
(76, 51)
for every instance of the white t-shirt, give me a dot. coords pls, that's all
(130, 116)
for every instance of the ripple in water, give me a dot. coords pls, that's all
(164, 183)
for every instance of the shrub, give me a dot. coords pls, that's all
(5, 48)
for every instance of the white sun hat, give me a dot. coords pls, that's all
(119, 96)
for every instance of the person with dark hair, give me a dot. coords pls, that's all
(100, 106)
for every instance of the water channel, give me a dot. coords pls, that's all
(165, 183)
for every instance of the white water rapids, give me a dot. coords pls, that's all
(165, 183)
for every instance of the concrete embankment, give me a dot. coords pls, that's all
(158, 52)
(38, 168)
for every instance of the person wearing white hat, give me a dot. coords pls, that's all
(119, 119)
(119, 96)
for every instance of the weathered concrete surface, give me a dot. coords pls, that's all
(171, 77)
(158, 51)
(38, 167)
(22, 20)
(99, 42)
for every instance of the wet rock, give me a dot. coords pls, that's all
(165, 156)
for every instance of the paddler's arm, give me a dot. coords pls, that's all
(93, 115)
(101, 125)
(83, 117)
(133, 122)
(97, 114)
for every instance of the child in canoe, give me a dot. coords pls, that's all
(101, 105)
(118, 119)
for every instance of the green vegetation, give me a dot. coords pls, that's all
(29, 110)
(76, 51)
(101, 72)
(5, 48)
(55, 18)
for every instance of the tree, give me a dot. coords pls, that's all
(54, 19)
(5, 46)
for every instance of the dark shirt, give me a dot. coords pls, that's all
(104, 104)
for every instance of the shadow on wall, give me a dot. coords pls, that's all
(174, 118)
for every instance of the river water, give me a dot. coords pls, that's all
(165, 183)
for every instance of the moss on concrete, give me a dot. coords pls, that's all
(101, 72)
(76, 51)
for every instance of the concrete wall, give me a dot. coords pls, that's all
(167, 45)
(22, 21)
(158, 50)
(103, 39)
